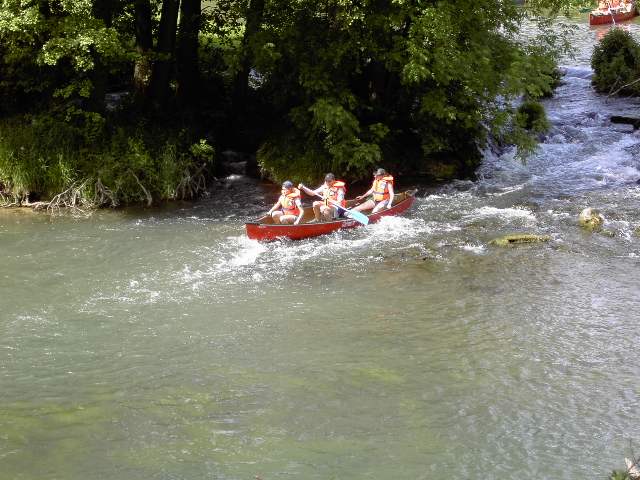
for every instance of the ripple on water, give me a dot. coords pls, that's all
(492, 363)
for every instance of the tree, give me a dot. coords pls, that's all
(144, 45)
(331, 84)
(351, 85)
(254, 14)
(165, 48)
(616, 63)
(187, 52)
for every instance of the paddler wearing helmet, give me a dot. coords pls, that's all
(381, 192)
(333, 193)
(288, 209)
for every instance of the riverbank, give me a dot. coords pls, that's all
(112, 114)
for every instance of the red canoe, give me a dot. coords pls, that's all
(603, 18)
(264, 229)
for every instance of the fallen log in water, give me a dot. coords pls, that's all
(626, 120)
(517, 238)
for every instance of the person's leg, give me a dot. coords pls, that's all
(276, 216)
(368, 205)
(380, 206)
(317, 205)
(288, 219)
(327, 213)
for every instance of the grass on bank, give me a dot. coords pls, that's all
(86, 164)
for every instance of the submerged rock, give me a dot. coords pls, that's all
(591, 219)
(518, 238)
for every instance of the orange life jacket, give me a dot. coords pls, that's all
(331, 193)
(381, 188)
(288, 202)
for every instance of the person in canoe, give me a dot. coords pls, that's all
(332, 192)
(381, 191)
(605, 7)
(288, 209)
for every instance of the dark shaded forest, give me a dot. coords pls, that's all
(104, 103)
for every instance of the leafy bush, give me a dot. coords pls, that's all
(285, 158)
(532, 117)
(44, 156)
(616, 63)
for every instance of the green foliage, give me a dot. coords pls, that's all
(565, 7)
(616, 63)
(618, 475)
(53, 49)
(284, 158)
(334, 85)
(370, 83)
(532, 117)
(46, 156)
(523, 127)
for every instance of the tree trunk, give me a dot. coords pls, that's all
(187, 51)
(161, 75)
(44, 8)
(102, 10)
(377, 75)
(255, 14)
(144, 45)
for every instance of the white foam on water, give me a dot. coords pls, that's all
(584, 73)
(582, 155)
(633, 192)
(188, 275)
(558, 214)
(504, 213)
(34, 321)
(506, 190)
(583, 151)
(257, 261)
(474, 248)
(392, 228)
(234, 177)
(249, 252)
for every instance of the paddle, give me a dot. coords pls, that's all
(357, 216)
(613, 19)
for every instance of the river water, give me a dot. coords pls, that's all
(164, 344)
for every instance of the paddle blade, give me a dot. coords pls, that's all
(358, 216)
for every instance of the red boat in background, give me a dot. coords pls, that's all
(613, 14)
(265, 230)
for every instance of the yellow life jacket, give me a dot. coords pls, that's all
(381, 188)
(288, 202)
(331, 193)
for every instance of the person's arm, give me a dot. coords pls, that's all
(303, 188)
(275, 207)
(340, 196)
(308, 191)
(365, 194)
(391, 195)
